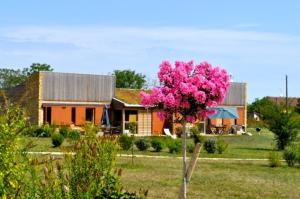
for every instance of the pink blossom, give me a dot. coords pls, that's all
(188, 89)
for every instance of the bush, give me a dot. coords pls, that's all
(210, 146)
(197, 138)
(291, 155)
(74, 135)
(64, 131)
(274, 159)
(174, 146)
(42, 131)
(157, 145)
(191, 147)
(221, 146)
(125, 142)
(57, 139)
(142, 144)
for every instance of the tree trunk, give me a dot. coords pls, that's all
(184, 173)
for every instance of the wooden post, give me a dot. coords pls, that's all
(190, 170)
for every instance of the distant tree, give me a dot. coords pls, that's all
(36, 67)
(10, 77)
(262, 106)
(129, 79)
(297, 108)
(284, 126)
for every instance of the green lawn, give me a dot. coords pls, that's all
(211, 179)
(256, 146)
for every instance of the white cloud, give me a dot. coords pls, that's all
(250, 56)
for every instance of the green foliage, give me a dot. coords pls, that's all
(132, 126)
(290, 155)
(41, 131)
(125, 142)
(210, 146)
(262, 106)
(12, 153)
(90, 129)
(10, 78)
(297, 108)
(190, 147)
(157, 145)
(64, 131)
(174, 146)
(221, 145)
(195, 135)
(57, 139)
(142, 144)
(74, 135)
(284, 128)
(129, 79)
(274, 159)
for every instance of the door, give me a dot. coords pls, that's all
(144, 122)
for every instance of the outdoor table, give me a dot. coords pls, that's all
(219, 129)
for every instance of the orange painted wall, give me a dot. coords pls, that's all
(80, 116)
(241, 119)
(61, 115)
(157, 124)
(98, 115)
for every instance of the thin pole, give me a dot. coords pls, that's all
(286, 94)
(184, 173)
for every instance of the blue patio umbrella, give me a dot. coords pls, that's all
(105, 118)
(224, 112)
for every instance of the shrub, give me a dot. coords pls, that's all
(210, 146)
(74, 135)
(157, 145)
(132, 126)
(125, 142)
(191, 147)
(291, 155)
(57, 139)
(174, 146)
(142, 144)
(221, 146)
(274, 159)
(42, 131)
(197, 138)
(64, 131)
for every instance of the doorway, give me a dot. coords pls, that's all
(73, 116)
(90, 114)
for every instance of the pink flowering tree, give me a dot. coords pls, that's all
(187, 90)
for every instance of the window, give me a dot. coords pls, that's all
(131, 116)
(89, 114)
(73, 115)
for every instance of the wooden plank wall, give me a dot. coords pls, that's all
(77, 87)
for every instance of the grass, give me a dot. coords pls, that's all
(211, 179)
(256, 146)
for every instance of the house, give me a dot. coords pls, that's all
(126, 108)
(68, 98)
(65, 98)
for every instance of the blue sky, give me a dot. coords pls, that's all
(258, 42)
